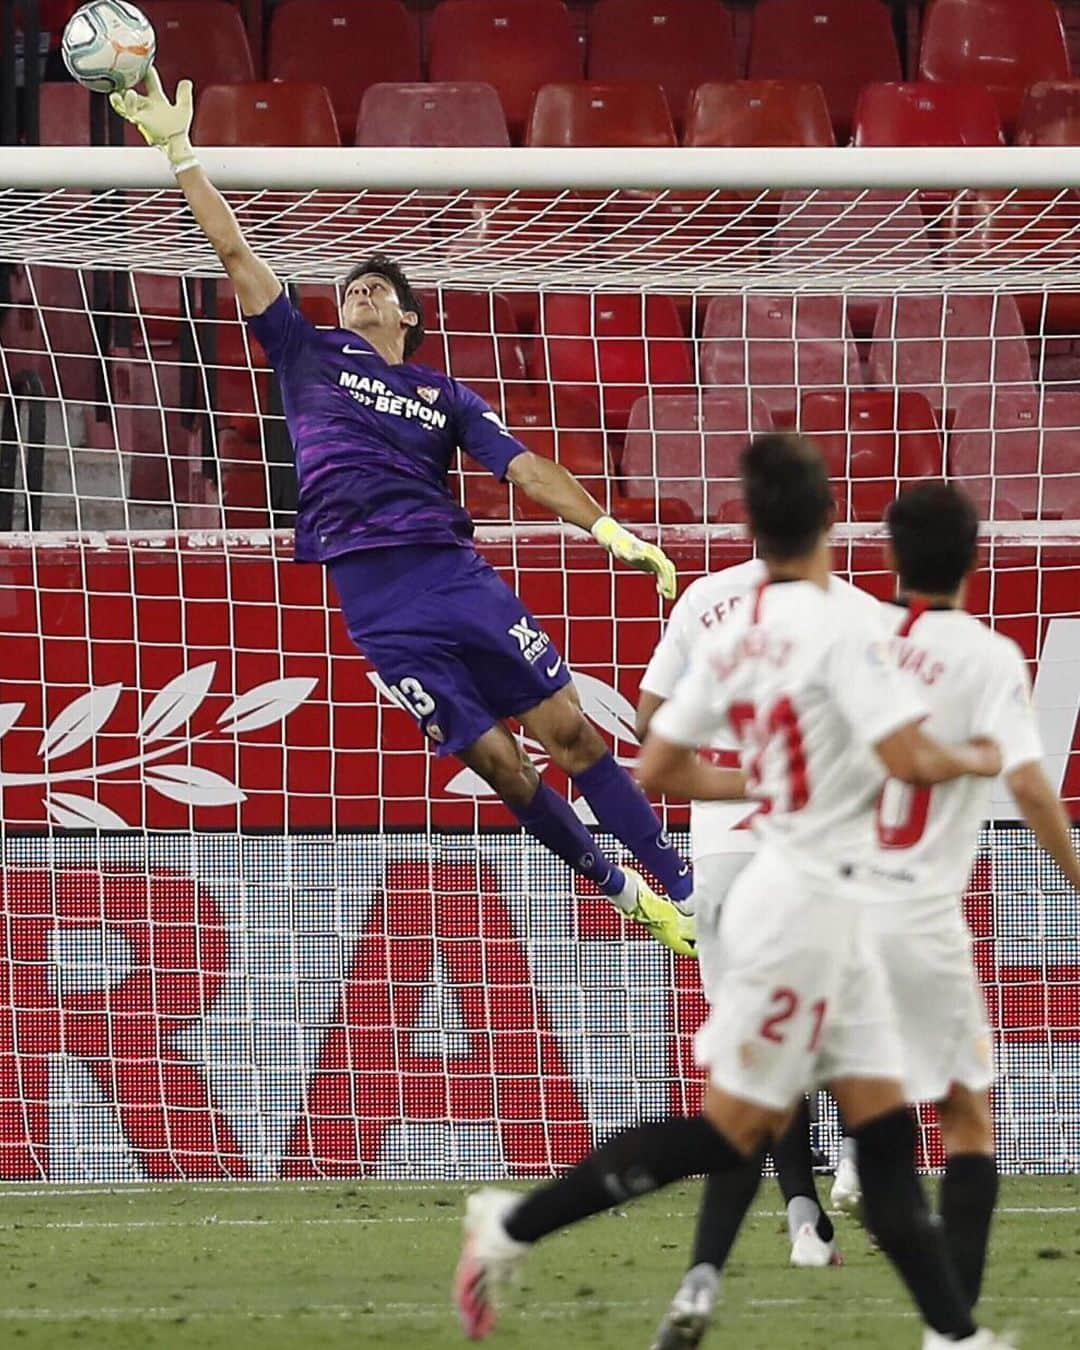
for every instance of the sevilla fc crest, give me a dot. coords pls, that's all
(427, 392)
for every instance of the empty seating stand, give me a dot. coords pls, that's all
(264, 113)
(465, 113)
(758, 112)
(200, 40)
(922, 113)
(592, 113)
(678, 44)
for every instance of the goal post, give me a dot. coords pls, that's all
(249, 927)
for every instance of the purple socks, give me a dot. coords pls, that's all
(551, 819)
(621, 807)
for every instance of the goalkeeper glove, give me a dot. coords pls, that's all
(163, 124)
(628, 548)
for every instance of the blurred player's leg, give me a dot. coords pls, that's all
(846, 1194)
(809, 1227)
(969, 1188)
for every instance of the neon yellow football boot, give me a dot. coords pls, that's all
(664, 921)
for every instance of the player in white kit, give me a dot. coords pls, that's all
(975, 683)
(797, 992)
(721, 845)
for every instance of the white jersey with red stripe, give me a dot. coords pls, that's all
(975, 683)
(802, 682)
(721, 827)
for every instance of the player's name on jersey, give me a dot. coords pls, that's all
(373, 393)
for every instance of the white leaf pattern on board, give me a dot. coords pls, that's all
(9, 715)
(607, 708)
(173, 706)
(82, 813)
(265, 704)
(194, 786)
(80, 721)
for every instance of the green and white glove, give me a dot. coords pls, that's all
(163, 124)
(628, 548)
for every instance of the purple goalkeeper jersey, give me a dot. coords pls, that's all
(373, 442)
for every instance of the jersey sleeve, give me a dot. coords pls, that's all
(1006, 713)
(281, 330)
(482, 434)
(872, 694)
(672, 655)
(696, 712)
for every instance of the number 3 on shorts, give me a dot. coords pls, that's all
(785, 1004)
(413, 697)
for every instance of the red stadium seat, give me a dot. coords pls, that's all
(518, 45)
(1005, 45)
(688, 447)
(951, 348)
(619, 344)
(464, 114)
(600, 114)
(1050, 114)
(265, 114)
(778, 346)
(874, 441)
(839, 44)
(343, 46)
(758, 112)
(677, 44)
(1020, 462)
(472, 336)
(200, 40)
(926, 114)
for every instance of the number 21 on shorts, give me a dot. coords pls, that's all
(784, 1003)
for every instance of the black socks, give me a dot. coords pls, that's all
(969, 1191)
(899, 1217)
(724, 1203)
(795, 1167)
(635, 1162)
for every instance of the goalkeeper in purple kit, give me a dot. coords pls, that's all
(374, 436)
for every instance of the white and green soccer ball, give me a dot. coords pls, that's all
(108, 46)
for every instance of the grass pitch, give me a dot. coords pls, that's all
(334, 1266)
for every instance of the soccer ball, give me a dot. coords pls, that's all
(108, 46)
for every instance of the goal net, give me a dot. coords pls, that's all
(249, 926)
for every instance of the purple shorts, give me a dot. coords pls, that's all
(450, 639)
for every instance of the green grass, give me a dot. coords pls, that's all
(228, 1268)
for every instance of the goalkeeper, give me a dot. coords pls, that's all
(373, 437)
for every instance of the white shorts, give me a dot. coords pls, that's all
(925, 948)
(796, 991)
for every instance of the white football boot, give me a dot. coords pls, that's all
(982, 1340)
(489, 1259)
(810, 1252)
(691, 1310)
(846, 1193)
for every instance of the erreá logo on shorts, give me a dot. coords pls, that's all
(532, 642)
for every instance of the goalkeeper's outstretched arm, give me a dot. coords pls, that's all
(167, 126)
(556, 488)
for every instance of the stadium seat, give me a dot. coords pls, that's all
(1005, 45)
(265, 114)
(839, 44)
(778, 346)
(951, 348)
(677, 44)
(472, 336)
(200, 40)
(618, 344)
(875, 441)
(758, 112)
(926, 114)
(343, 46)
(1020, 462)
(589, 113)
(463, 114)
(871, 229)
(517, 45)
(1050, 114)
(688, 447)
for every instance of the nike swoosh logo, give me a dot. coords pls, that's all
(684, 870)
(356, 351)
(549, 671)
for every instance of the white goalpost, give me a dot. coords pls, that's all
(248, 926)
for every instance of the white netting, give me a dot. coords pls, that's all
(250, 927)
